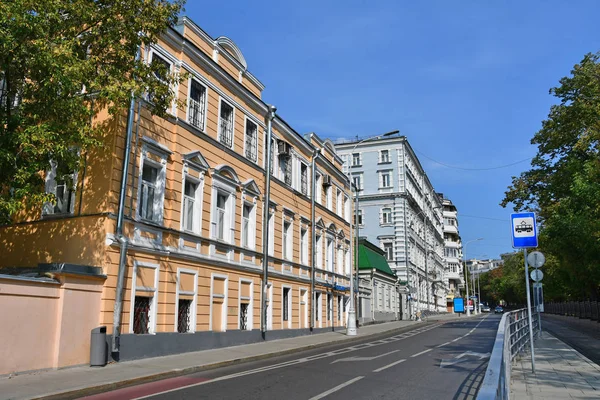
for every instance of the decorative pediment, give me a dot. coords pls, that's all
(332, 228)
(232, 49)
(226, 172)
(196, 160)
(320, 223)
(341, 234)
(251, 187)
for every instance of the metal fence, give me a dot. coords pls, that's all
(581, 309)
(512, 339)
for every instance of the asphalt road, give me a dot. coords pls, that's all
(434, 361)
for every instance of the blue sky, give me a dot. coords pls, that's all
(466, 81)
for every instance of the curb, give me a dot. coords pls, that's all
(106, 387)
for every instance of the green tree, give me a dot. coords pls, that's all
(563, 184)
(62, 62)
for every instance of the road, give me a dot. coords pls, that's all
(439, 360)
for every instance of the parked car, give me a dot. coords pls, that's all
(498, 310)
(485, 309)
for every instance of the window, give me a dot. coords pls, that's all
(386, 216)
(185, 315)
(346, 209)
(245, 313)
(389, 251)
(287, 240)
(304, 179)
(251, 140)
(340, 261)
(357, 181)
(226, 124)
(386, 179)
(273, 145)
(355, 159)
(271, 237)
(347, 262)
(144, 283)
(339, 308)
(329, 255)
(340, 210)
(189, 204)
(318, 187)
(384, 156)
(329, 306)
(61, 183)
(318, 307)
(329, 197)
(248, 225)
(286, 304)
(148, 196)
(319, 252)
(285, 168)
(220, 228)
(360, 217)
(163, 65)
(197, 105)
(304, 246)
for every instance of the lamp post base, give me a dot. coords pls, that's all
(351, 329)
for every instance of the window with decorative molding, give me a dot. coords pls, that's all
(356, 161)
(61, 183)
(386, 216)
(251, 140)
(384, 156)
(226, 124)
(197, 104)
(151, 187)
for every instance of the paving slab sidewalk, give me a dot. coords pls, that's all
(561, 373)
(80, 381)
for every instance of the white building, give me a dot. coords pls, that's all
(400, 211)
(452, 252)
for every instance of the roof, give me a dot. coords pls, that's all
(372, 257)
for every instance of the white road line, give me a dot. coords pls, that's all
(423, 352)
(335, 389)
(457, 339)
(442, 345)
(389, 365)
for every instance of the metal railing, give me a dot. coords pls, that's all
(512, 339)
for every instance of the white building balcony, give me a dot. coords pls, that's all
(450, 229)
(453, 275)
(451, 244)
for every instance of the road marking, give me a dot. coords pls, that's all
(423, 352)
(442, 345)
(389, 365)
(457, 339)
(364, 358)
(459, 358)
(335, 389)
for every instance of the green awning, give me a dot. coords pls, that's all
(372, 259)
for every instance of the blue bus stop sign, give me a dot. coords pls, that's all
(524, 230)
(459, 305)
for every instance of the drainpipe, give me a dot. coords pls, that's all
(313, 193)
(266, 209)
(115, 345)
(135, 153)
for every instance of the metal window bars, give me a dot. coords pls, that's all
(288, 171)
(141, 315)
(304, 179)
(197, 103)
(184, 315)
(251, 139)
(244, 316)
(226, 125)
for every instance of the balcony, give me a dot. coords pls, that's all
(451, 229)
(453, 275)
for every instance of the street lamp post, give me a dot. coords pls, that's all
(351, 327)
(467, 279)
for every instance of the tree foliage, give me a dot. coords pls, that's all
(61, 62)
(563, 184)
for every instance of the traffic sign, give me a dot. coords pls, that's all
(536, 259)
(538, 296)
(524, 230)
(536, 275)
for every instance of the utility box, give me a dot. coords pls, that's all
(98, 347)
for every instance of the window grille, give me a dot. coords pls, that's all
(141, 315)
(286, 297)
(251, 139)
(184, 316)
(244, 316)
(197, 105)
(304, 179)
(226, 128)
(149, 178)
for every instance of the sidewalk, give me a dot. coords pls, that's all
(561, 373)
(80, 381)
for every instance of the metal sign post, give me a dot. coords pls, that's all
(529, 311)
(524, 236)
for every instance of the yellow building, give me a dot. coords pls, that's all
(193, 219)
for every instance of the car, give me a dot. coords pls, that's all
(498, 310)
(485, 309)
